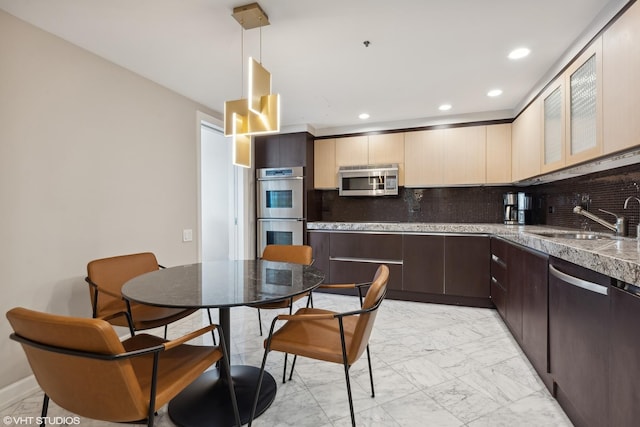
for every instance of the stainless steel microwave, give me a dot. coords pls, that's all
(369, 180)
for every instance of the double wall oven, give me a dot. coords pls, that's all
(280, 206)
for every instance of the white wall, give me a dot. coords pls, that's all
(95, 161)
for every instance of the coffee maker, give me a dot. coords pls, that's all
(524, 208)
(510, 208)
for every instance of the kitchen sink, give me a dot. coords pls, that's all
(575, 236)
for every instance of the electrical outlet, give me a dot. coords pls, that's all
(187, 235)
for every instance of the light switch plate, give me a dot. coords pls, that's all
(187, 235)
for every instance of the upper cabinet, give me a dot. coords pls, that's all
(526, 142)
(583, 98)
(424, 158)
(499, 154)
(571, 117)
(284, 150)
(553, 128)
(324, 160)
(330, 154)
(465, 155)
(454, 156)
(621, 86)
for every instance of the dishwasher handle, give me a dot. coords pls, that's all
(584, 284)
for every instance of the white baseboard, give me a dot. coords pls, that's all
(17, 391)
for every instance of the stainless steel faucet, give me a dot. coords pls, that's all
(619, 227)
(625, 206)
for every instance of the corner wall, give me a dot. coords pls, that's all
(95, 161)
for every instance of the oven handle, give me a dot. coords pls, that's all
(280, 219)
(280, 178)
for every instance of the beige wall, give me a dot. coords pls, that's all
(94, 161)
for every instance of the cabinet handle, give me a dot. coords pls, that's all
(367, 260)
(584, 284)
(498, 260)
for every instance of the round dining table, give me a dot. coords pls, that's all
(222, 285)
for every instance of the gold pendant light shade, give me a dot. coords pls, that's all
(259, 113)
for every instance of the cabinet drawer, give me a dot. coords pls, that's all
(374, 246)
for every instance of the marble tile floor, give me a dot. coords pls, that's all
(433, 365)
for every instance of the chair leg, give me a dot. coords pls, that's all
(45, 409)
(293, 365)
(232, 393)
(284, 371)
(373, 393)
(260, 376)
(267, 349)
(260, 321)
(345, 362)
(166, 328)
(213, 334)
(310, 300)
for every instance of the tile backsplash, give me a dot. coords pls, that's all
(553, 203)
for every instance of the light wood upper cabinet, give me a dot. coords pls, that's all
(526, 142)
(621, 82)
(388, 148)
(583, 98)
(352, 150)
(499, 154)
(465, 155)
(325, 172)
(424, 158)
(553, 126)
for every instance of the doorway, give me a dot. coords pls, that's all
(226, 201)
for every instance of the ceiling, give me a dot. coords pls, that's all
(422, 53)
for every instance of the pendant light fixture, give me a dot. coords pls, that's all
(259, 113)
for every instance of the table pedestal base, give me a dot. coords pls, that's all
(206, 401)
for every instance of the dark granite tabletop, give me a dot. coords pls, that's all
(222, 284)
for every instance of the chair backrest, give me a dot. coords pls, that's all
(297, 254)
(112, 273)
(364, 326)
(100, 389)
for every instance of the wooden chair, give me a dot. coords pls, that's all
(296, 254)
(328, 335)
(81, 364)
(106, 277)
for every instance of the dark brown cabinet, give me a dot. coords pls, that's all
(624, 358)
(519, 290)
(355, 257)
(466, 266)
(499, 275)
(423, 268)
(285, 150)
(535, 295)
(579, 341)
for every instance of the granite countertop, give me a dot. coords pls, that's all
(617, 257)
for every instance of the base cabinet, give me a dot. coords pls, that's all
(624, 358)
(519, 290)
(423, 267)
(466, 266)
(355, 257)
(579, 341)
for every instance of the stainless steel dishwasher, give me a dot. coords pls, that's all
(579, 341)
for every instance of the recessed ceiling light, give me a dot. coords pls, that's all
(444, 107)
(518, 53)
(494, 92)
(364, 116)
